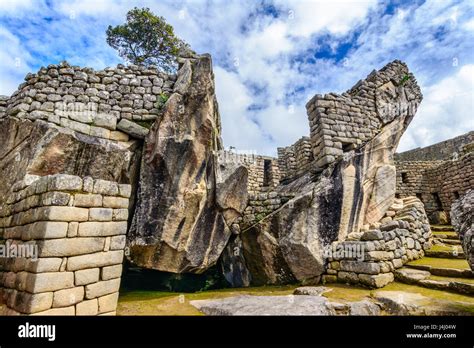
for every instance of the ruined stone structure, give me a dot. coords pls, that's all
(78, 228)
(437, 175)
(442, 151)
(132, 153)
(462, 213)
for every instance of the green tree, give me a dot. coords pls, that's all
(146, 39)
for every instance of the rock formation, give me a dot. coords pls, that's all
(89, 156)
(462, 212)
(185, 201)
(354, 137)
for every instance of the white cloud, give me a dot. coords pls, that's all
(445, 112)
(280, 60)
(14, 62)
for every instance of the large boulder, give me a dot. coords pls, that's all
(349, 194)
(39, 148)
(179, 224)
(462, 212)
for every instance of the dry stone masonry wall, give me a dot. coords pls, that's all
(109, 104)
(442, 151)
(295, 160)
(340, 123)
(369, 258)
(75, 228)
(437, 183)
(462, 213)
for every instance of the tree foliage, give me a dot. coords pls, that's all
(146, 39)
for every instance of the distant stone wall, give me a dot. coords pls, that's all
(263, 171)
(110, 104)
(436, 183)
(295, 160)
(75, 230)
(340, 123)
(462, 214)
(444, 150)
(370, 257)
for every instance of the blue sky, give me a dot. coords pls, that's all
(270, 57)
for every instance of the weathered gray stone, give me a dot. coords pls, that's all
(132, 129)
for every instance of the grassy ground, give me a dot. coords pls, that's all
(165, 303)
(441, 263)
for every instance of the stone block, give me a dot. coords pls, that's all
(120, 215)
(125, 190)
(360, 267)
(68, 297)
(115, 202)
(88, 307)
(44, 264)
(59, 311)
(102, 288)
(376, 281)
(108, 303)
(118, 136)
(72, 229)
(117, 242)
(105, 187)
(86, 276)
(372, 235)
(100, 214)
(102, 229)
(46, 230)
(87, 200)
(100, 259)
(27, 303)
(51, 281)
(70, 246)
(105, 121)
(347, 277)
(64, 182)
(62, 214)
(55, 198)
(111, 272)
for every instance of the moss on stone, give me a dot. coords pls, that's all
(441, 263)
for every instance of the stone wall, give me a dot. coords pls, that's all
(369, 258)
(263, 171)
(462, 213)
(76, 228)
(444, 150)
(340, 123)
(436, 183)
(109, 104)
(295, 160)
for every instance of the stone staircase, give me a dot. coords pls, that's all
(444, 266)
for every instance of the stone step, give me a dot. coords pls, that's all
(446, 267)
(445, 235)
(442, 228)
(449, 241)
(426, 279)
(445, 252)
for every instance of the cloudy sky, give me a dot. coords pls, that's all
(270, 57)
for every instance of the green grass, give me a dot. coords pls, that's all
(453, 279)
(441, 263)
(172, 303)
(444, 233)
(438, 247)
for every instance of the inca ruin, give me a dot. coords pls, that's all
(127, 165)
